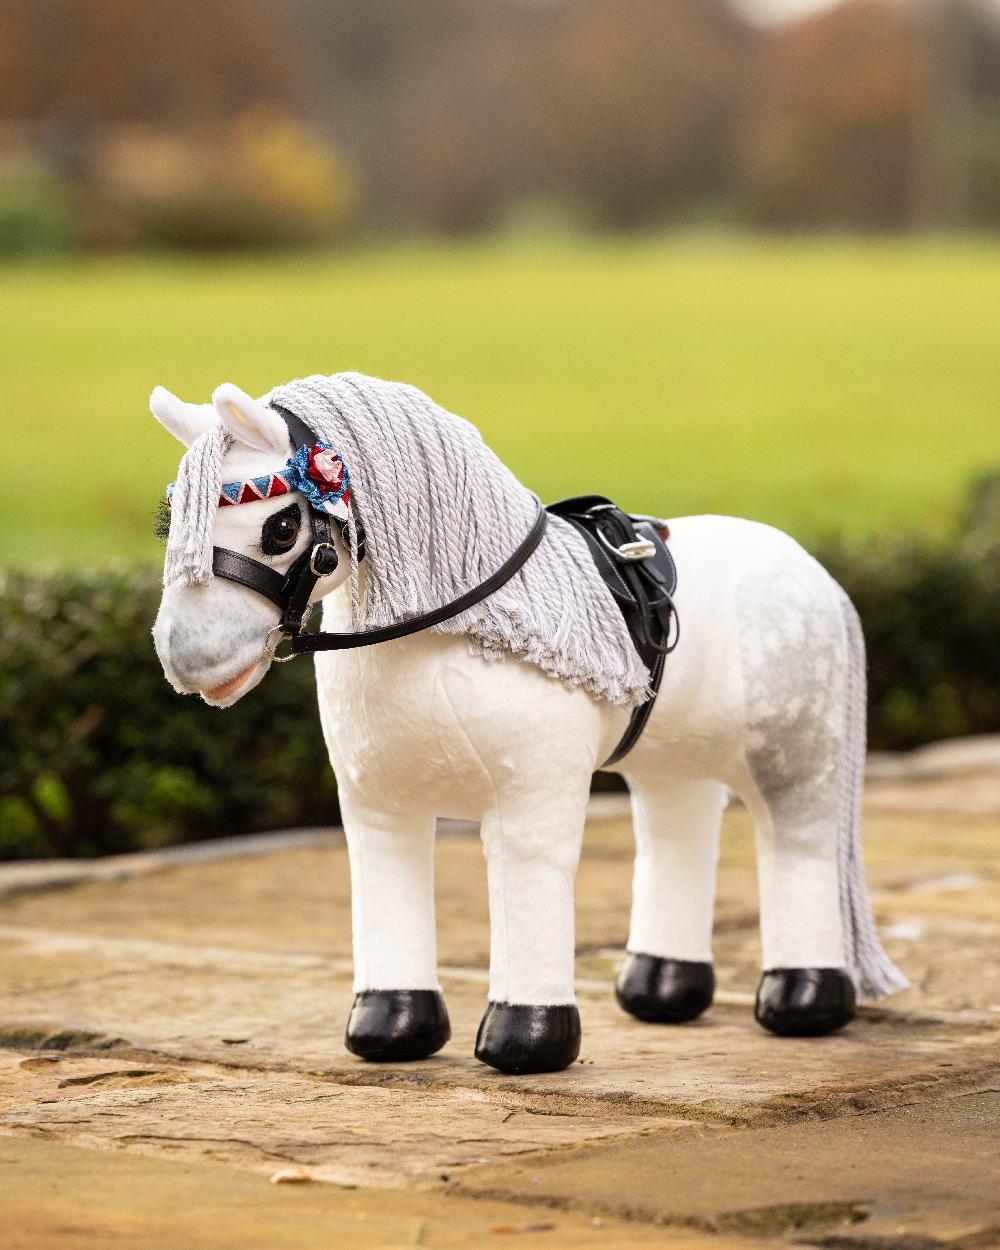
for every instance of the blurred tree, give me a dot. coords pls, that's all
(459, 111)
(871, 114)
(261, 178)
(182, 61)
(874, 114)
(826, 137)
(878, 114)
(649, 97)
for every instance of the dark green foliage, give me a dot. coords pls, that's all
(931, 614)
(98, 754)
(161, 520)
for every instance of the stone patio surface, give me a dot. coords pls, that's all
(172, 1072)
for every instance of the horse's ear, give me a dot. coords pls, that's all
(186, 422)
(250, 421)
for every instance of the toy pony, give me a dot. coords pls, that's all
(475, 661)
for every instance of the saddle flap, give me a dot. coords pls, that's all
(634, 562)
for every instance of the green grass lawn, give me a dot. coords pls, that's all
(818, 385)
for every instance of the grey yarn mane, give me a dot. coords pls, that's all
(193, 507)
(440, 513)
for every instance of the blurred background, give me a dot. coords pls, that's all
(700, 255)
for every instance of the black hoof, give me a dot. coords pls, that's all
(528, 1039)
(805, 1002)
(391, 1025)
(664, 991)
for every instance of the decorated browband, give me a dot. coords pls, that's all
(317, 472)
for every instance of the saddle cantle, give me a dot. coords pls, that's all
(636, 566)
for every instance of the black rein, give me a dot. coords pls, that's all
(402, 629)
(290, 591)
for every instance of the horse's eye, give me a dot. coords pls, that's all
(281, 531)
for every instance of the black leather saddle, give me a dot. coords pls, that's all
(635, 563)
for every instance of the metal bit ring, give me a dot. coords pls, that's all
(271, 651)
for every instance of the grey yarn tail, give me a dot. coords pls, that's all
(874, 973)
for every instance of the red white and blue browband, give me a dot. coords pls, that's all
(317, 472)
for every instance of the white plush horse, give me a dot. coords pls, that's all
(502, 714)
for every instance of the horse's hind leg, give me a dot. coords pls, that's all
(667, 976)
(803, 669)
(805, 988)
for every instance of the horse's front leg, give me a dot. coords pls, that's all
(532, 843)
(399, 1012)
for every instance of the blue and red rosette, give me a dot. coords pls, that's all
(319, 473)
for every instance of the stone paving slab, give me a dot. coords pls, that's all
(355, 1135)
(57, 874)
(60, 1196)
(930, 1170)
(286, 1012)
(192, 1018)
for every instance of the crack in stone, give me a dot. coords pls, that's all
(253, 1147)
(97, 1077)
(762, 1221)
(772, 1221)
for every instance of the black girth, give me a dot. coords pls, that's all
(628, 551)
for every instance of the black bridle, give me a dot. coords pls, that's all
(290, 591)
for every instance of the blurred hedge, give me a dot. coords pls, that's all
(97, 753)
(931, 615)
(260, 179)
